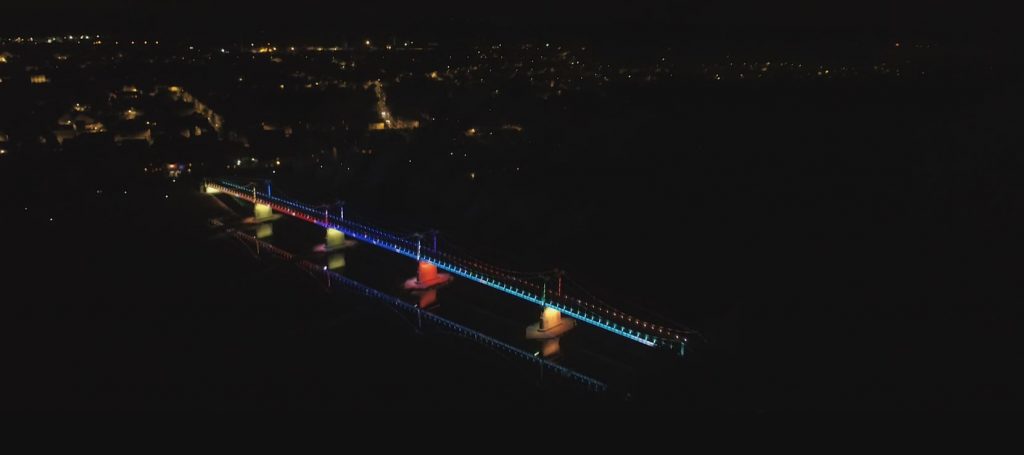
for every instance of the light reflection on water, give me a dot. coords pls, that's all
(494, 314)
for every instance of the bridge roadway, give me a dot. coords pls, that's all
(600, 316)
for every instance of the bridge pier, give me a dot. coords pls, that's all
(427, 277)
(550, 326)
(336, 240)
(550, 319)
(262, 212)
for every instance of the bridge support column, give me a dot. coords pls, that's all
(550, 318)
(426, 273)
(551, 325)
(335, 240)
(262, 212)
(426, 277)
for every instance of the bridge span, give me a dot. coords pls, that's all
(593, 313)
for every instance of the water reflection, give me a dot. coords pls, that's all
(427, 298)
(264, 230)
(336, 260)
(551, 347)
(550, 343)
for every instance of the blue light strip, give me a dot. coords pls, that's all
(407, 248)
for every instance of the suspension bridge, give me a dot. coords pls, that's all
(554, 301)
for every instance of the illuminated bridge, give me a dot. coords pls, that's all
(593, 313)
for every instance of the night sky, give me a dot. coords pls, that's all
(915, 15)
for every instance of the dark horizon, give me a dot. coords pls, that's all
(915, 17)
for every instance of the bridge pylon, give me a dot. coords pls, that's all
(335, 239)
(551, 325)
(262, 213)
(427, 277)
